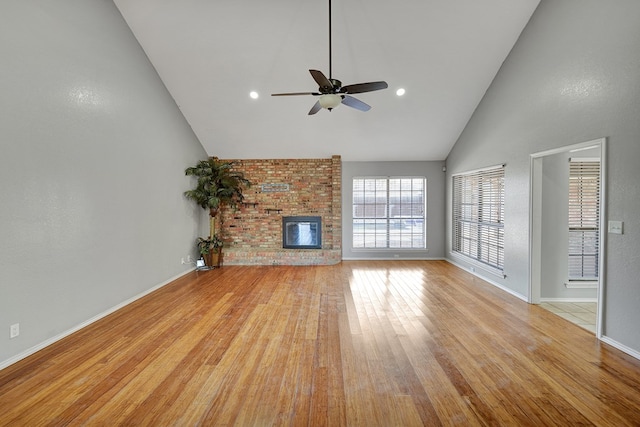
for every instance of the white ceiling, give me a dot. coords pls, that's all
(212, 53)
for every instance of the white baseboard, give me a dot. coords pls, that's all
(551, 300)
(48, 342)
(613, 343)
(497, 285)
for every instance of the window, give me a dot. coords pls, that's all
(389, 213)
(478, 216)
(584, 218)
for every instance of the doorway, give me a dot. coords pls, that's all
(549, 282)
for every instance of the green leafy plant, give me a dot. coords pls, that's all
(209, 244)
(217, 186)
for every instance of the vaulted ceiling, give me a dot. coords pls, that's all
(211, 54)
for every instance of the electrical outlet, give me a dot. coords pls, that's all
(15, 330)
(182, 261)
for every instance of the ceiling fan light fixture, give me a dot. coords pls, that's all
(331, 91)
(330, 101)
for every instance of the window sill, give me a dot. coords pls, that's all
(581, 284)
(390, 250)
(476, 265)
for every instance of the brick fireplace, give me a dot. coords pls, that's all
(285, 188)
(302, 232)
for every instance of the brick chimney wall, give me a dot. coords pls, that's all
(285, 187)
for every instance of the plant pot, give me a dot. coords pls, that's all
(213, 259)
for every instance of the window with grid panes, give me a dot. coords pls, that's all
(389, 212)
(584, 218)
(478, 216)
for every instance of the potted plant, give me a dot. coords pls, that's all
(217, 187)
(210, 249)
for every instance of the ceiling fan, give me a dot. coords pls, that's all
(331, 91)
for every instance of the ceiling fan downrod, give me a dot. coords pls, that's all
(330, 47)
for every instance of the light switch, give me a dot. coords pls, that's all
(615, 227)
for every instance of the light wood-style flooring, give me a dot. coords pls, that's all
(388, 343)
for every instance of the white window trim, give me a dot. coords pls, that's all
(584, 282)
(423, 249)
(497, 271)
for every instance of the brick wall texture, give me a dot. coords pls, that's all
(254, 232)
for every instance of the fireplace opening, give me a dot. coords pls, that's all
(301, 232)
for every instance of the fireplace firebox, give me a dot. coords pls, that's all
(301, 232)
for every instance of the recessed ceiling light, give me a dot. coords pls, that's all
(400, 92)
(254, 95)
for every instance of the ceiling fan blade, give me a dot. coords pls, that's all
(364, 87)
(355, 103)
(316, 107)
(321, 79)
(295, 93)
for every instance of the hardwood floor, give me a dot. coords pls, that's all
(393, 343)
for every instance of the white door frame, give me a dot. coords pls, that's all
(535, 222)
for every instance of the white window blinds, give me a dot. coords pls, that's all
(478, 216)
(389, 213)
(584, 218)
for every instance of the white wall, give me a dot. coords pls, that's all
(93, 152)
(572, 77)
(435, 210)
